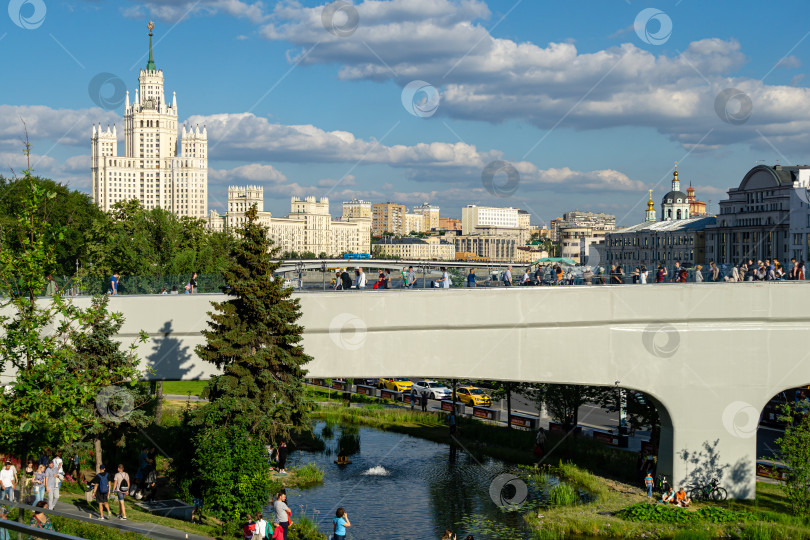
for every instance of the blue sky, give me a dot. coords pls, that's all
(590, 102)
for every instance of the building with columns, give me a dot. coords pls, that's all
(762, 216)
(307, 228)
(151, 170)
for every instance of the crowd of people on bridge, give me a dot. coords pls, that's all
(615, 274)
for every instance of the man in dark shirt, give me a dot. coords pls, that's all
(346, 280)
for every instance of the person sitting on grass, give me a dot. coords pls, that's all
(681, 499)
(669, 496)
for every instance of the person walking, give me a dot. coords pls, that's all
(283, 512)
(643, 275)
(114, 283)
(424, 400)
(120, 488)
(359, 279)
(345, 280)
(52, 288)
(39, 484)
(471, 278)
(193, 283)
(676, 272)
(411, 281)
(7, 482)
(714, 271)
(52, 485)
(101, 490)
(75, 467)
(587, 276)
(698, 274)
(648, 483)
(404, 276)
(339, 524)
(444, 281)
(413, 397)
(387, 278)
(507, 277)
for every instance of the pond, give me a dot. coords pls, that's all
(398, 486)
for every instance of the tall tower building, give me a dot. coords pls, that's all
(151, 169)
(650, 209)
(675, 204)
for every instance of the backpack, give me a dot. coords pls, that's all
(249, 529)
(103, 483)
(124, 485)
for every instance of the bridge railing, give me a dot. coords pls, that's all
(318, 280)
(42, 533)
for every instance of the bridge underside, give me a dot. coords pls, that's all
(710, 356)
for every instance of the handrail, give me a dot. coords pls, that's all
(33, 531)
(94, 521)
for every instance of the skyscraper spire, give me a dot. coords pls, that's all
(150, 65)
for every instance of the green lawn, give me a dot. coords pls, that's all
(184, 388)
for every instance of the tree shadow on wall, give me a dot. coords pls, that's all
(169, 356)
(704, 464)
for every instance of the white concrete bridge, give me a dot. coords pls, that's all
(710, 355)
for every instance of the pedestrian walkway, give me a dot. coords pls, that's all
(80, 509)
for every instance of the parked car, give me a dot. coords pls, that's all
(434, 389)
(400, 385)
(472, 395)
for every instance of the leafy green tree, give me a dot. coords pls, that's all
(253, 339)
(640, 409)
(72, 211)
(234, 464)
(794, 451)
(52, 401)
(505, 389)
(112, 374)
(139, 242)
(562, 401)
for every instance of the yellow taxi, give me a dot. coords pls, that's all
(399, 385)
(472, 395)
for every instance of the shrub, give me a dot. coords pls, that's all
(236, 463)
(659, 513)
(304, 529)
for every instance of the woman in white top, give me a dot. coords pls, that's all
(527, 277)
(642, 276)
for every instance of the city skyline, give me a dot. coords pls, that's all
(591, 111)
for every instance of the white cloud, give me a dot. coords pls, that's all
(490, 79)
(65, 126)
(176, 10)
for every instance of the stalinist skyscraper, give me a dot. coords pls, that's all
(151, 169)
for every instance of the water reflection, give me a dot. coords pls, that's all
(400, 486)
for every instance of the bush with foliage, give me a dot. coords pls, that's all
(234, 466)
(660, 513)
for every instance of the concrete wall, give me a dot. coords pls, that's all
(711, 355)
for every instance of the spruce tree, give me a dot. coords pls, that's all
(254, 340)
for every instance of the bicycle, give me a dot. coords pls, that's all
(709, 492)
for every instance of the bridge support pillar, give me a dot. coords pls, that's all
(708, 438)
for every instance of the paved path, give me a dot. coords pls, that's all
(79, 508)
